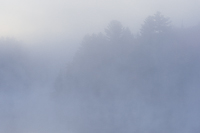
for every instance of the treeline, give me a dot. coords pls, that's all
(120, 82)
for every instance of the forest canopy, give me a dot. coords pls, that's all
(120, 79)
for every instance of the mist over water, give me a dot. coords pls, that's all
(113, 81)
(28, 76)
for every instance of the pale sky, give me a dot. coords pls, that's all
(36, 19)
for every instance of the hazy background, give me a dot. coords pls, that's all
(37, 48)
(43, 20)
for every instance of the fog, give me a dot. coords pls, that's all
(93, 66)
(41, 19)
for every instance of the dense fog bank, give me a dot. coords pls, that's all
(27, 76)
(115, 82)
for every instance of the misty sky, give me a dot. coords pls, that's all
(58, 19)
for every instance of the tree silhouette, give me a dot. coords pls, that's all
(117, 80)
(156, 24)
(114, 30)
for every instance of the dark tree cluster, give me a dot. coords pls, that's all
(118, 82)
